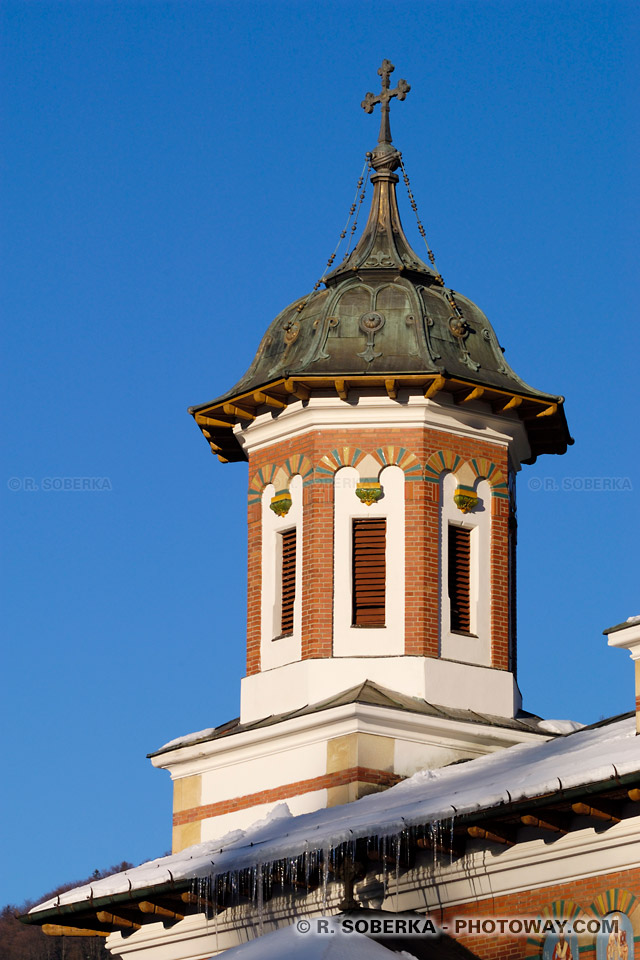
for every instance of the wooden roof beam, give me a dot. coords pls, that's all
(549, 823)
(474, 394)
(57, 930)
(342, 389)
(203, 421)
(455, 845)
(154, 909)
(495, 835)
(118, 923)
(234, 411)
(202, 904)
(548, 411)
(512, 404)
(602, 812)
(263, 399)
(435, 386)
(297, 389)
(391, 388)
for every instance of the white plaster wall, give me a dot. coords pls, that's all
(350, 641)
(412, 755)
(456, 646)
(471, 687)
(240, 775)
(276, 652)
(241, 819)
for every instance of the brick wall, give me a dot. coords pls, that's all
(422, 541)
(621, 889)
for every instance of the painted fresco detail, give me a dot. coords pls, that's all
(560, 947)
(618, 943)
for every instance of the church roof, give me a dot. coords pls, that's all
(286, 943)
(598, 763)
(289, 944)
(384, 317)
(365, 693)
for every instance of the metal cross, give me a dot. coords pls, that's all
(383, 98)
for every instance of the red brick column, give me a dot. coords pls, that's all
(500, 583)
(422, 578)
(254, 587)
(317, 571)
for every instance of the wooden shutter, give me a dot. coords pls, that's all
(459, 578)
(288, 580)
(369, 572)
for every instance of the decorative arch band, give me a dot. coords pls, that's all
(400, 457)
(466, 472)
(383, 456)
(440, 462)
(614, 899)
(280, 476)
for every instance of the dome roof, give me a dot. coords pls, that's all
(383, 315)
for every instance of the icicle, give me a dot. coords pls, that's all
(398, 840)
(452, 821)
(260, 897)
(437, 841)
(384, 865)
(325, 878)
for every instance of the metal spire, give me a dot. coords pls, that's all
(383, 99)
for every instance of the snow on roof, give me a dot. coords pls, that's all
(561, 727)
(588, 756)
(289, 944)
(189, 738)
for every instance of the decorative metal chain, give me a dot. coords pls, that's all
(414, 207)
(364, 178)
(357, 203)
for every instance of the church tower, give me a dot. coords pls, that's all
(383, 430)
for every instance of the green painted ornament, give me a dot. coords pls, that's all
(281, 503)
(466, 499)
(369, 491)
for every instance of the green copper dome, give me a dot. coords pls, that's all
(384, 315)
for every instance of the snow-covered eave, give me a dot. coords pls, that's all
(65, 913)
(374, 816)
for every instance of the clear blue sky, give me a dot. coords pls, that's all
(175, 174)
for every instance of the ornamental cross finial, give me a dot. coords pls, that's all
(383, 99)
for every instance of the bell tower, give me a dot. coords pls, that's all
(384, 431)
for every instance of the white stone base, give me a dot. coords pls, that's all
(446, 683)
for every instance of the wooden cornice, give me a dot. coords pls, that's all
(217, 421)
